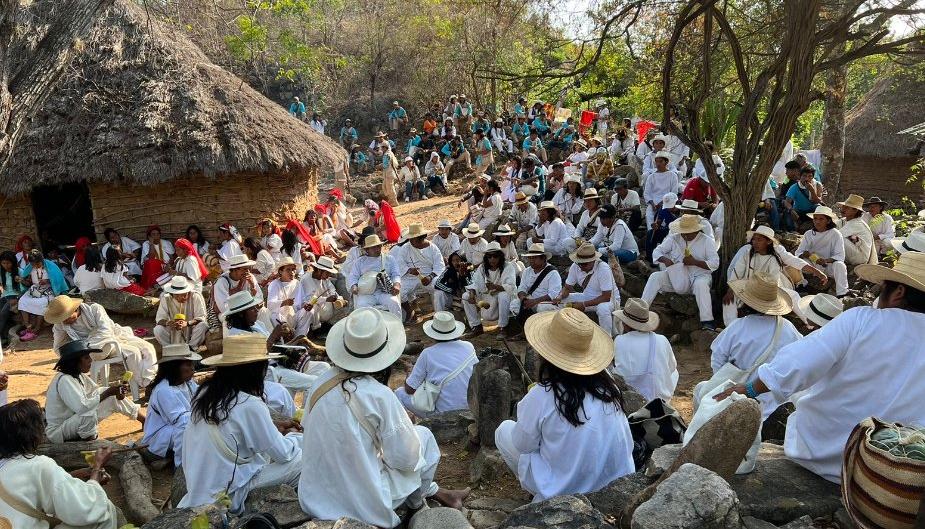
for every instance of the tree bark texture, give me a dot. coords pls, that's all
(833, 129)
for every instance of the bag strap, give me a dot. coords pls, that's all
(325, 388)
(24, 508)
(539, 279)
(767, 352)
(231, 455)
(364, 422)
(458, 370)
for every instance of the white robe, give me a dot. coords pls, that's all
(473, 252)
(554, 234)
(862, 252)
(128, 246)
(73, 408)
(165, 254)
(168, 414)
(189, 268)
(882, 228)
(647, 363)
(446, 246)
(434, 364)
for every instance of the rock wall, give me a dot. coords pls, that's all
(16, 219)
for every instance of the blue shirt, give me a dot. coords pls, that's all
(414, 142)
(800, 198)
(345, 133)
(539, 125)
(397, 113)
(519, 110)
(529, 144)
(522, 130)
(297, 109)
(480, 126)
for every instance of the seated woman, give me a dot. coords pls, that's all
(504, 235)
(382, 217)
(491, 205)
(75, 404)
(571, 435)
(570, 199)
(452, 284)
(170, 402)
(344, 223)
(353, 420)
(156, 255)
(319, 295)
(89, 275)
(194, 235)
(24, 246)
(115, 275)
(231, 444)
(292, 248)
(129, 250)
(284, 298)
(824, 247)
(10, 289)
(190, 265)
(494, 285)
(43, 281)
(37, 483)
(321, 228)
(265, 267)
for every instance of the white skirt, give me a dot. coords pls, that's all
(33, 305)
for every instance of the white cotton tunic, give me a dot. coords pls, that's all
(446, 245)
(828, 244)
(189, 267)
(522, 219)
(567, 203)
(743, 266)
(554, 235)
(168, 414)
(439, 360)
(248, 428)
(658, 185)
(366, 263)
(280, 291)
(558, 458)
(866, 362)
(115, 279)
(601, 280)
(862, 252)
(617, 237)
(882, 228)
(701, 248)
(428, 261)
(85, 280)
(551, 285)
(40, 483)
(647, 363)
(474, 252)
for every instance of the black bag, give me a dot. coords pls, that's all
(654, 425)
(257, 520)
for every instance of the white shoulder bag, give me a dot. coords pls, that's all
(425, 398)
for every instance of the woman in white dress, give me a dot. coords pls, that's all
(189, 264)
(89, 276)
(492, 204)
(129, 250)
(115, 274)
(170, 402)
(570, 199)
(824, 247)
(265, 267)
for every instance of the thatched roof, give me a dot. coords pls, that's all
(894, 103)
(142, 104)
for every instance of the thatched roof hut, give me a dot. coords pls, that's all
(878, 160)
(154, 132)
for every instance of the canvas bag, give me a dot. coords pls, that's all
(425, 398)
(654, 425)
(708, 409)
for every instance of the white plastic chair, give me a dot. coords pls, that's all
(99, 369)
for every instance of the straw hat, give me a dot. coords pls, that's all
(569, 340)
(179, 351)
(686, 224)
(242, 349)
(571, 178)
(178, 285)
(241, 301)
(284, 262)
(366, 341)
(823, 210)
(586, 253)
(689, 205)
(372, 241)
(325, 263)
(915, 242)
(761, 293)
(591, 194)
(520, 198)
(503, 231)
(821, 308)
(493, 246)
(670, 200)
(662, 154)
(766, 231)
(380, 134)
(909, 270)
(74, 349)
(660, 137)
(636, 315)
(875, 200)
(853, 201)
(445, 223)
(239, 261)
(61, 308)
(444, 327)
(416, 230)
(548, 204)
(472, 230)
(536, 250)
(409, 159)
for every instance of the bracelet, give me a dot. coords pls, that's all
(750, 391)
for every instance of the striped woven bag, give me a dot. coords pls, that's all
(879, 489)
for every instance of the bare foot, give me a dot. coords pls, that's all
(140, 417)
(451, 498)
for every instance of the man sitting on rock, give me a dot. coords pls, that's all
(181, 315)
(859, 240)
(589, 287)
(540, 282)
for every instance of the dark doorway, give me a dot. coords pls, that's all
(63, 214)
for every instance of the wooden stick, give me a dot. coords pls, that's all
(124, 449)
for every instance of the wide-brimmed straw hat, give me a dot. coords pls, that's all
(284, 262)
(571, 178)
(503, 231)
(821, 308)
(660, 137)
(686, 224)
(761, 293)
(915, 242)
(689, 205)
(585, 253)
(74, 349)
(763, 230)
(521, 198)
(548, 204)
(242, 349)
(445, 223)
(179, 351)
(416, 230)
(472, 230)
(591, 194)
(325, 263)
(662, 154)
(241, 301)
(178, 285)
(909, 270)
(493, 246)
(569, 340)
(636, 315)
(853, 201)
(61, 308)
(823, 210)
(444, 327)
(239, 261)
(366, 341)
(875, 200)
(536, 249)
(372, 241)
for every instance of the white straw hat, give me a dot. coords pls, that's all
(569, 340)
(686, 224)
(372, 241)
(636, 315)
(853, 201)
(763, 230)
(473, 230)
(416, 230)
(503, 230)
(325, 263)
(366, 341)
(548, 204)
(915, 242)
(536, 249)
(761, 293)
(823, 210)
(178, 285)
(821, 308)
(239, 261)
(444, 327)
(178, 351)
(670, 200)
(689, 205)
(241, 301)
(445, 223)
(284, 262)
(242, 349)
(586, 253)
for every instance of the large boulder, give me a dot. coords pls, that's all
(494, 405)
(342, 523)
(561, 512)
(487, 512)
(487, 467)
(691, 498)
(449, 427)
(120, 302)
(182, 519)
(281, 501)
(615, 497)
(439, 518)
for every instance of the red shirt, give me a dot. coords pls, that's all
(700, 190)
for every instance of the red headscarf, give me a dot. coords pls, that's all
(387, 214)
(337, 193)
(150, 229)
(321, 209)
(22, 239)
(191, 250)
(302, 233)
(80, 248)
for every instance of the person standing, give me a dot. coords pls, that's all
(389, 174)
(348, 135)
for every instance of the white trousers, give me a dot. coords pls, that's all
(499, 308)
(312, 318)
(140, 357)
(110, 522)
(504, 145)
(85, 425)
(650, 216)
(839, 272)
(443, 301)
(166, 336)
(431, 459)
(391, 303)
(700, 287)
(604, 311)
(411, 288)
(272, 474)
(504, 440)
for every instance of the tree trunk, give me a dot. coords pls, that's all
(739, 210)
(833, 129)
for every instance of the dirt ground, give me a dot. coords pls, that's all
(30, 369)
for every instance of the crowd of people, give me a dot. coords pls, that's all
(539, 254)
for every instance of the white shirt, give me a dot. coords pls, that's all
(558, 458)
(115, 279)
(659, 184)
(428, 261)
(279, 400)
(439, 360)
(522, 219)
(272, 243)
(223, 285)
(168, 414)
(866, 362)
(251, 431)
(366, 263)
(446, 245)
(165, 251)
(601, 280)
(629, 201)
(648, 164)
(551, 285)
(92, 325)
(881, 226)
(265, 267)
(827, 244)
(617, 237)
(646, 362)
(343, 473)
(128, 246)
(701, 248)
(189, 267)
(309, 286)
(68, 396)
(701, 172)
(278, 292)
(474, 252)
(226, 251)
(863, 251)
(742, 267)
(506, 277)
(584, 221)
(43, 485)
(567, 203)
(86, 280)
(554, 235)
(744, 341)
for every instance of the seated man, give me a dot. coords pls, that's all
(627, 203)
(643, 357)
(319, 297)
(690, 258)
(524, 218)
(370, 277)
(614, 236)
(489, 296)
(589, 287)
(447, 364)
(803, 197)
(859, 240)
(455, 152)
(688, 206)
(659, 182)
(551, 232)
(181, 315)
(422, 264)
(534, 145)
(237, 278)
(540, 282)
(587, 224)
(445, 240)
(473, 246)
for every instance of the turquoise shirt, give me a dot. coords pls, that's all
(519, 110)
(530, 144)
(397, 113)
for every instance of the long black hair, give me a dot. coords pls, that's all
(200, 238)
(112, 259)
(23, 425)
(11, 257)
(381, 377)
(70, 366)
(219, 393)
(169, 371)
(289, 241)
(251, 244)
(238, 320)
(569, 390)
(93, 259)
